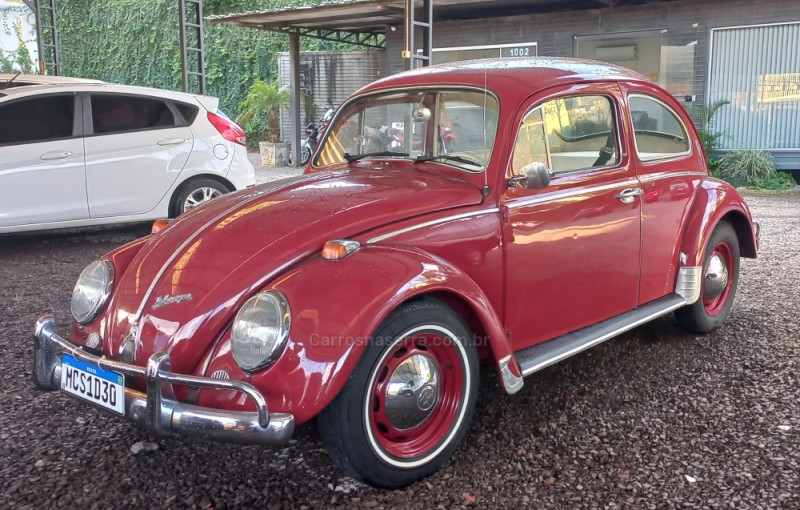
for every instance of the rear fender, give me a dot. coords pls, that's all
(336, 307)
(716, 201)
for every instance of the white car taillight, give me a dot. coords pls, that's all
(227, 128)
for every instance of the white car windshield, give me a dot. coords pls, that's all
(454, 127)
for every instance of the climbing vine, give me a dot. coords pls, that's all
(138, 43)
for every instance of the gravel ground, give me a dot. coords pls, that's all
(654, 419)
(273, 173)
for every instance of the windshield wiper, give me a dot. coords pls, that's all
(7, 84)
(355, 157)
(450, 157)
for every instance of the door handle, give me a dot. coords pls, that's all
(170, 141)
(628, 195)
(48, 156)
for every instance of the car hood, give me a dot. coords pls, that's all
(184, 286)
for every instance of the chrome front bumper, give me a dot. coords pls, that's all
(157, 410)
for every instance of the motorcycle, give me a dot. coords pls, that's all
(313, 134)
(447, 138)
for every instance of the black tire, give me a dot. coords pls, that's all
(199, 190)
(348, 425)
(705, 315)
(305, 155)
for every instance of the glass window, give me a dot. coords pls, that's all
(568, 134)
(454, 127)
(189, 112)
(658, 130)
(37, 119)
(113, 113)
(757, 69)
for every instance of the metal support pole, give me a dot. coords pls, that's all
(39, 37)
(427, 33)
(411, 23)
(294, 68)
(409, 35)
(192, 46)
(182, 24)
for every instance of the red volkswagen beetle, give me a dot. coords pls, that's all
(573, 205)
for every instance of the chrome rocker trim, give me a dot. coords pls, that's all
(158, 411)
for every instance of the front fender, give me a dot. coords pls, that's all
(336, 307)
(716, 201)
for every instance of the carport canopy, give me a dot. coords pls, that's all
(365, 22)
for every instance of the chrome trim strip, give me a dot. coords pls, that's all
(157, 410)
(689, 284)
(603, 338)
(383, 237)
(658, 177)
(559, 195)
(199, 231)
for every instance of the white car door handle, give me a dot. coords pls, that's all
(47, 156)
(170, 141)
(627, 196)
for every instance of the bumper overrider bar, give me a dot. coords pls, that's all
(157, 410)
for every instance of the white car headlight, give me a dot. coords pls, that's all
(260, 330)
(92, 290)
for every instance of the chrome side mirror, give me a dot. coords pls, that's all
(534, 175)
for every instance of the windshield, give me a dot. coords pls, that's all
(455, 127)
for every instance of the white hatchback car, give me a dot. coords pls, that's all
(75, 153)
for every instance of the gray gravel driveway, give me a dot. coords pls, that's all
(656, 418)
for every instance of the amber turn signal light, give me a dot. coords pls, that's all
(159, 225)
(338, 249)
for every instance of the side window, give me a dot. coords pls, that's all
(37, 119)
(568, 134)
(658, 131)
(530, 146)
(189, 112)
(112, 113)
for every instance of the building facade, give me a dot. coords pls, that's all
(743, 51)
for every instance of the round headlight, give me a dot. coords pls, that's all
(92, 290)
(260, 330)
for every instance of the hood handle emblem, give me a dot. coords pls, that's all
(166, 299)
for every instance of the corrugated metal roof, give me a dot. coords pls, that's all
(373, 16)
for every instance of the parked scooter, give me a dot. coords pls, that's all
(313, 134)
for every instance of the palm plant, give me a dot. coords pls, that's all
(709, 138)
(259, 113)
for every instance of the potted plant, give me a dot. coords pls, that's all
(259, 115)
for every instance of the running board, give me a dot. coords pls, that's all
(539, 356)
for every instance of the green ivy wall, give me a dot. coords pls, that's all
(137, 42)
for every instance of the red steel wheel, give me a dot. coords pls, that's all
(407, 404)
(716, 280)
(719, 280)
(417, 394)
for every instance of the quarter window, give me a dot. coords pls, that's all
(38, 119)
(568, 134)
(117, 114)
(189, 112)
(657, 129)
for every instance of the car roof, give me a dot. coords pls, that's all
(38, 79)
(503, 74)
(35, 84)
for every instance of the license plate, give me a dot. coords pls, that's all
(92, 383)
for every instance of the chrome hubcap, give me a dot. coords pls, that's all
(716, 277)
(199, 196)
(412, 392)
